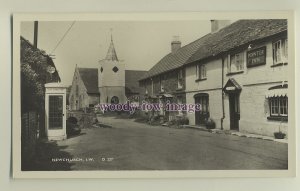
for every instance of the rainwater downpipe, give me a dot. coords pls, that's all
(223, 109)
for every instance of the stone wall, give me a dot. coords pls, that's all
(170, 83)
(80, 100)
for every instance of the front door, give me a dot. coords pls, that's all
(202, 115)
(55, 111)
(234, 109)
(56, 129)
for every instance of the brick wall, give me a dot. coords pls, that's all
(170, 83)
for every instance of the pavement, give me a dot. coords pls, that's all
(124, 144)
(236, 133)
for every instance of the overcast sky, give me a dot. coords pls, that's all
(141, 44)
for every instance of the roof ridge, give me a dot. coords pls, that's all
(213, 44)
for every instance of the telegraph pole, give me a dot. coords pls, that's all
(35, 35)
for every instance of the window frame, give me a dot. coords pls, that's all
(275, 51)
(77, 90)
(201, 72)
(278, 109)
(162, 80)
(283, 51)
(180, 79)
(232, 61)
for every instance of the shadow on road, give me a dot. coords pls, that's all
(73, 136)
(44, 160)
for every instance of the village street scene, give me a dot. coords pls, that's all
(167, 95)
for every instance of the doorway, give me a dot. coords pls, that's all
(202, 116)
(234, 110)
(56, 112)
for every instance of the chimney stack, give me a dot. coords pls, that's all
(216, 25)
(175, 44)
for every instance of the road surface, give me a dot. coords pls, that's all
(130, 145)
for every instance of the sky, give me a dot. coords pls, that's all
(139, 44)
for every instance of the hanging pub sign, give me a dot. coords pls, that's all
(256, 57)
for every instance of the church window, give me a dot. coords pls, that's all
(115, 69)
(114, 100)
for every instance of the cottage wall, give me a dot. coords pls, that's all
(254, 81)
(254, 106)
(212, 85)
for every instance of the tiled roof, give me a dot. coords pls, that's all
(175, 60)
(238, 33)
(131, 81)
(89, 77)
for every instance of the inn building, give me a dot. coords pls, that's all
(238, 73)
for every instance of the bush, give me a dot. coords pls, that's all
(182, 120)
(179, 120)
(210, 124)
(73, 129)
(72, 120)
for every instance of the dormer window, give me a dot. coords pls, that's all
(235, 63)
(201, 72)
(280, 51)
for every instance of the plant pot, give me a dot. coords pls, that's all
(279, 135)
(210, 124)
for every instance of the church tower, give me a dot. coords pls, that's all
(111, 77)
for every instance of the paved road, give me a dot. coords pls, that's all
(135, 146)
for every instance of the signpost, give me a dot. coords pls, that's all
(256, 57)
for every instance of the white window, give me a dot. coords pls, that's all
(180, 79)
(285, 53)
(280, 51)
(278, 106)
(201, 71)
(277, 52)
(235, 62)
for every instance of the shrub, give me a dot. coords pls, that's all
(72, 120)
(210, 124)
(182, 120)
(179, 120)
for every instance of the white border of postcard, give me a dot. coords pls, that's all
(16, 119)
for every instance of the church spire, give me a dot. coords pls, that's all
(111, 53)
